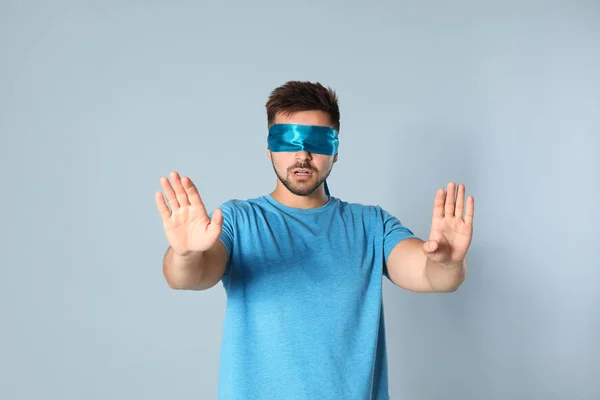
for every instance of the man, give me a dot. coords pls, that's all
(303, 270)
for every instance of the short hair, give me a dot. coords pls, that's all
(295, 96)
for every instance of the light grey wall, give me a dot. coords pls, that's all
(99, 99)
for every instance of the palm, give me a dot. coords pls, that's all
(187, 226)
(451, 231)
(186, 229)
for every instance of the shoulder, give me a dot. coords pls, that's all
(238, 207)
(369, 213)
(373, 210)
(372, 215)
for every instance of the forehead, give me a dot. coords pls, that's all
(313, 117)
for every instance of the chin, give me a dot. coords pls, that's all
(301, 189)
(304, 189)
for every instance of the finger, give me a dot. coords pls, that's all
(438, 204)
(163, 209)
(431, 249)
(182, 197)
(430, 246)
(216, 223)
(450, 193)
(460, 201)
(192, 192)
(170, 193)
(470, 210)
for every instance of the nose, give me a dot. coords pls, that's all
(303, 156)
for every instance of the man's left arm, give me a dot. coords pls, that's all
(438, 264)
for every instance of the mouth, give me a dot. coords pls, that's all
(302, 172)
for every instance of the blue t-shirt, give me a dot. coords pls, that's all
(304, 316)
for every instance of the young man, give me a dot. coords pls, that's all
(303, 270)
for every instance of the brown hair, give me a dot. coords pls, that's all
(294, 96)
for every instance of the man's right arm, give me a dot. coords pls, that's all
(196, 271)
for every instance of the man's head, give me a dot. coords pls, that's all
(303, 103)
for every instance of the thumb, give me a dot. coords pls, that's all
(430, 247)
(216, 223)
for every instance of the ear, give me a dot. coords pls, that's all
(268, 154)
(335, 158)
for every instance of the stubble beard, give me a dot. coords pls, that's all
(301, 189)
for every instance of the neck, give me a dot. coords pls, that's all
(317, 199)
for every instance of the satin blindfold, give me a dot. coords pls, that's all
(309, 138)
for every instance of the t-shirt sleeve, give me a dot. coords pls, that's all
(227, 233)
(393, 233)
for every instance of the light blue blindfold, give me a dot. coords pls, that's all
(309, 138)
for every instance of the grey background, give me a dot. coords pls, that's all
(99, 99)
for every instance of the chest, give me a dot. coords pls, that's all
(317, 254)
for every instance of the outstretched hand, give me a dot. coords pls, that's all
(451, 232)
(187, 225)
